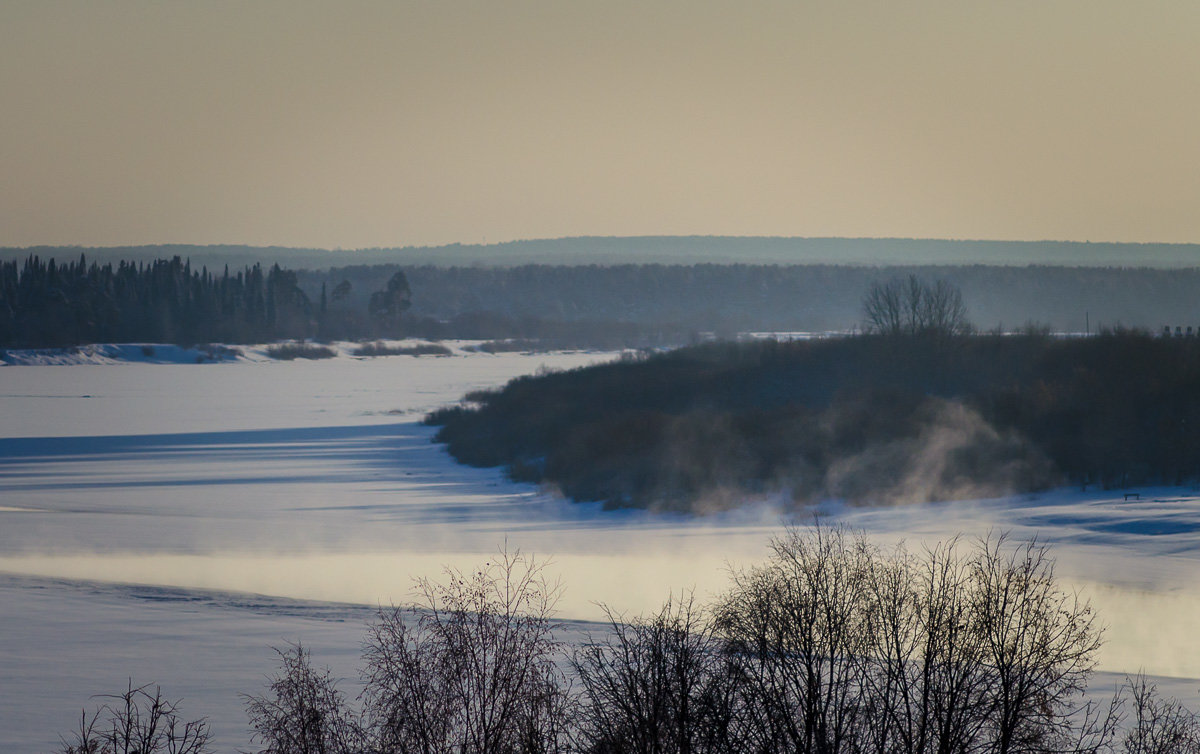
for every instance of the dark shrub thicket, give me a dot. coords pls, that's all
(379, 348)
(863, 418)
(293, 351)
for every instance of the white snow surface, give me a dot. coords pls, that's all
(170, 522)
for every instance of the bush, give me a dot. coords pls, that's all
(472, 667)
(137, 721)
(304, 713)
(656, 684)
(843, 647)
(1159, 726)
(379, 348)
(290, 351)
(512, 345)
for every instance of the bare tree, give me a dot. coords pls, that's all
(883, 308)
(927, 686)
(833, 646)
(656, 685)
(1039, 644)
(797, 625)
(844, 648)
(304, 712)
(472, 667)
(942, 309)
(1159, 726)
(912, 306)
(137, 721)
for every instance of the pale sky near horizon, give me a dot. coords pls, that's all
(358, 123)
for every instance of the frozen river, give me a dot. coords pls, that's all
(172, 522)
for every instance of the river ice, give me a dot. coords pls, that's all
(170, 522)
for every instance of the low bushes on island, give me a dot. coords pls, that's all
(379, 348)
(292, 351)
(868, 418)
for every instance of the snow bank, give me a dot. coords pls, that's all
(115, 353)
(165, 353)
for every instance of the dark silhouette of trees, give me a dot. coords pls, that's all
(834, 645)
(303, 712)
(844, 648)
(339, 319)
(666, 304)
(46, 304)
(866, 419)
(1039, 645)
(471, 667)
(799, 627)
(912, 306)
(656, 685)
(137, 721)
(341, 291)
(386, 306)
(1159, 726)
(289, 312)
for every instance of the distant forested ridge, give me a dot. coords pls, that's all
(672, 250)
(548, 306)
(865, 418)
(677, 300)
(45, 304)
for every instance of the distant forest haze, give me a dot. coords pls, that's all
(685, 250)
(57, 297)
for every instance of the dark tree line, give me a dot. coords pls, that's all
(46, 304)
(834, 645)
(561, 306)
(867, 418)
(732, 298)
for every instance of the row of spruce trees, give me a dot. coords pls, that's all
(48, 304)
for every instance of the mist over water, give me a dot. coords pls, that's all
(1146, 629)
(628, 582)
(953, 454)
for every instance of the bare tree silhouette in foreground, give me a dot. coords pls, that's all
(304, 711)
(137, 721)
(834, 645)
(471, 667)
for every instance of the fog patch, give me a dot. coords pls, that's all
(879, 449)
(634, 582)
(949, 453)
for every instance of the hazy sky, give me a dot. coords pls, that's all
(432, 121)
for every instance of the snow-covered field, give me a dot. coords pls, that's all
(171, 521)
